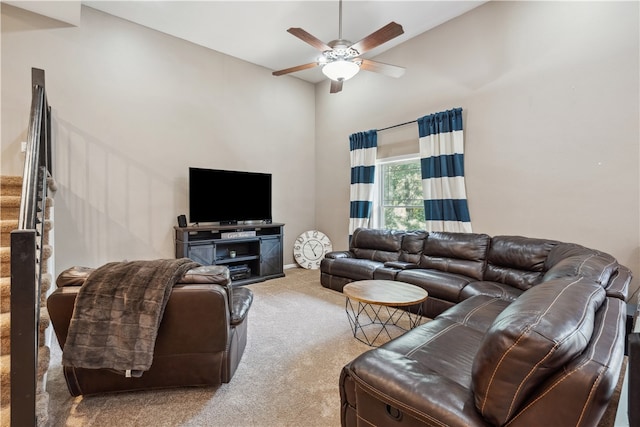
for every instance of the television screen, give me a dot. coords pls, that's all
(228, 196)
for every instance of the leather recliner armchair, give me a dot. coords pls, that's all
(200, 341)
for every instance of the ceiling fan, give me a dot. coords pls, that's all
(340, 59)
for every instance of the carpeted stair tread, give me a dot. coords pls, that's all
(5, 262)
(12, 185)
(5, 290)
(44, 357)
(8, 225)
(9, 213)
(9, 183)
(10, 180)
(5, 322)
(5, 294)
(5, 254)
(5, 258)
(9, 202)
(5, 269)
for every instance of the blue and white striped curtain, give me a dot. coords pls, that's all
(442, 163)
(363, 148)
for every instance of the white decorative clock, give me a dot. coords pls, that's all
(310, 247)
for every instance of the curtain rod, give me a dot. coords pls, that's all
(395, 126)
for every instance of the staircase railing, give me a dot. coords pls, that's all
(26, 258)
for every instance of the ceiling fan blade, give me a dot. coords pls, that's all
(308, 38)
(380, 67)
(335, 86)
(294, 69)
(375, 39)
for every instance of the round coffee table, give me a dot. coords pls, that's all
(381, 303)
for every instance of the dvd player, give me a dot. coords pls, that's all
(239, 272)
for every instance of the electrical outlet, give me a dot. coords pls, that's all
(23, 147)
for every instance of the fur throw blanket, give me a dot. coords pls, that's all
(117, 314)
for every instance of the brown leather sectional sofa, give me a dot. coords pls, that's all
(525, 332)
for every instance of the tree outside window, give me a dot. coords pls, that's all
(400, 198)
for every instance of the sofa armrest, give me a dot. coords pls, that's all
(339, 254)
(401, 265)
(73, 276)
(242, 300)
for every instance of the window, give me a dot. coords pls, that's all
(399, 203)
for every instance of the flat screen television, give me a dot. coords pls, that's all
(228, 196)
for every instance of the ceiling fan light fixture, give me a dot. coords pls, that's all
(340, 70)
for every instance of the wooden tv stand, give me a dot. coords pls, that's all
(257, 247)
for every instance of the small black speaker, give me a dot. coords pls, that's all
(182, 221)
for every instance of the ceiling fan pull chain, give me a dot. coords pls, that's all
(340, 21)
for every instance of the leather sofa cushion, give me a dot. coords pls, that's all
(438, 284)
(376, 244)
(460, 253)
(375, 255)
(517, 261)
(530, 340)
(353, 268)
(568, 259)
(412, 245)
(477, 313)
(385, 273)
(492, 289)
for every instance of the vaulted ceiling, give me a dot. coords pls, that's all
(255, 31)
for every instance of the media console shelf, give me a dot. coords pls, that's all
(253, 253)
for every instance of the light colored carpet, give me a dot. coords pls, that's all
(298, 341)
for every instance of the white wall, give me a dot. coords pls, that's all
(551, 115)
(549, 91)
(133, 109)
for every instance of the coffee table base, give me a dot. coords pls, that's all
(378, 320)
